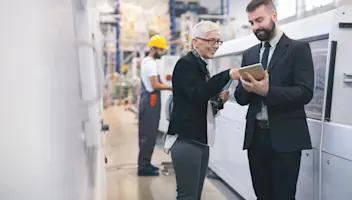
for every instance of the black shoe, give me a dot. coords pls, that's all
(148, 172)
(154, 168)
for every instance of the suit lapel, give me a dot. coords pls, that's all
(200, 64)
(280, 50)
(256, 54)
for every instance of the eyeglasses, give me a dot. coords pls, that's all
(212, 41)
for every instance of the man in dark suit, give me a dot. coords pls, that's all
(276, 128)
(192, 111)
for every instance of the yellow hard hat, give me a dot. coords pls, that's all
(158, 41)
(124, 68)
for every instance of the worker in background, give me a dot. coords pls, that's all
(191, 129)
(276, 129)
(150, 106)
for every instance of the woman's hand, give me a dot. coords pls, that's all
(224, 96)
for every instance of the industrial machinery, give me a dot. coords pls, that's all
(51, 89)
(166, 67)
(326, 171)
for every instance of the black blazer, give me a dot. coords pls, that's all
(291, 83)
(191, 93)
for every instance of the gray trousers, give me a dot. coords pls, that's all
(190, 160)
(149, 117)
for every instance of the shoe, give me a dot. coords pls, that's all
(154, 167)
(148, 172)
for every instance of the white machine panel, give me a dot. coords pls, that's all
(228, 159)
(315, 132)
(343, 71)
(337, 178)
(165, 67)
(305, 184)
(337, 140)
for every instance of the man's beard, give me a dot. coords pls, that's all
(268, 33)
(156, 55)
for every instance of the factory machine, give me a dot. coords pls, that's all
(326, 171)
(51, 101)
(166, 67)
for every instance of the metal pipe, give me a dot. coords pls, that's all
(128, 58)
(118, 36)
(173, 24)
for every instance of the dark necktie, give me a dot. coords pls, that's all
(266, 55)
(265, 58)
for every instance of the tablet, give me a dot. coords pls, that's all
(256, 70)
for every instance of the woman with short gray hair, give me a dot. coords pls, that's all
(190, 129)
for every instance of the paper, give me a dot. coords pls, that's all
(169, 141)
(210, 125)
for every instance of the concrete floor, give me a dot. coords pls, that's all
(121, 147)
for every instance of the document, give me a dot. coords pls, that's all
(169, 141)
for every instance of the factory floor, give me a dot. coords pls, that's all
(121, 147)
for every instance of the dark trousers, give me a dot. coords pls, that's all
(148, 125)
(274, 174)
(190, 161)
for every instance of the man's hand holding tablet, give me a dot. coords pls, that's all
(255, 79)
(234, 74)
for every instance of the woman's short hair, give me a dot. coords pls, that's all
(201, 28)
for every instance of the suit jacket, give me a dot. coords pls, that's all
(191, 93)
(291, 83)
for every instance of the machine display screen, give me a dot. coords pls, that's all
(319, 53)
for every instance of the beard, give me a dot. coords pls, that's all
(157, 56)
(265, 34)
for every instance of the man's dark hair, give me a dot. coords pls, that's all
(254, 4)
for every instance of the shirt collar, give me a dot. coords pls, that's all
(198, 55)
(273, 42)
(205, 60)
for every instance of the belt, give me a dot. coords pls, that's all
(262, 124)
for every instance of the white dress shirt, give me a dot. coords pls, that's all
(263, 114)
